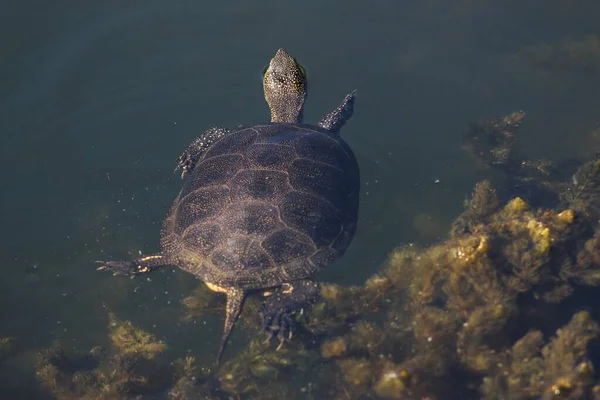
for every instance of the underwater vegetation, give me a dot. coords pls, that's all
(556, 64)
(128, 367)
(8, 348)
(581, 55)
(504, 308)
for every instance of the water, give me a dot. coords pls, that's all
(98, 99)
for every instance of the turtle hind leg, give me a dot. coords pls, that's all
(278, 312)
(135, 267)
(187, 161)
(334, 121)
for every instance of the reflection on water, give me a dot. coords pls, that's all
(98, 99)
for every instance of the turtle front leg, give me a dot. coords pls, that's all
(279, 309)
(136, 267)
(334, 121)
(187, 161)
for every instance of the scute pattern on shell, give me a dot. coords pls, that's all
(265, 205)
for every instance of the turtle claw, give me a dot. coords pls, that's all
(280, 325)
(285, 335)
(136, 267)
(281, 308)
(185, 163)
(269, 337)
(281, 341)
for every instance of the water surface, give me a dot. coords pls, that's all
(99, 98)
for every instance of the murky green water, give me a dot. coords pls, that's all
(99, 98)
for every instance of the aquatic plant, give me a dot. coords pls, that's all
(191, 384)
(483, 203)
(8, 348)
(260, 371)
(583, 194)
(557, 370)
(581, 55)
(202, 301)
(124, 370)
(491, 141)
(129, 340)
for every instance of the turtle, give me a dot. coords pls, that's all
(264, 207)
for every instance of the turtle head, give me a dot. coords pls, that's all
(284, 83)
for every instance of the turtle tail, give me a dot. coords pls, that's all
(235, 299)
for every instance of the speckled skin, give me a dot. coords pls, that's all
(264, 207)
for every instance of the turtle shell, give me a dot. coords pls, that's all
(265, 205)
